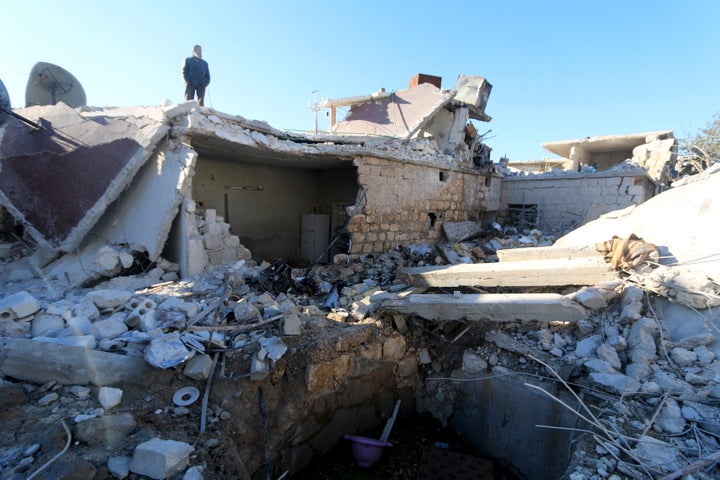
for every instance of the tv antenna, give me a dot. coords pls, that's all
(313, 104)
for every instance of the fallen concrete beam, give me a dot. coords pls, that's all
(546, 253)
(42, 362)
(532, 273)
(496, 307)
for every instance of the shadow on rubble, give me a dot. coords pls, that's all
(421, 450)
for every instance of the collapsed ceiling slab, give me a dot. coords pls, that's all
(497, 307)
(531, 273)
(603, 143)
(58, 180)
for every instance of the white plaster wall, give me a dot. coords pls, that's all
(267, 221)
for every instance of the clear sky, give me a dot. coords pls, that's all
(560, 70)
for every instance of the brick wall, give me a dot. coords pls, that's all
(567, 201)
(406, 203)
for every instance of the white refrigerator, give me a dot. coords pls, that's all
(315, 237)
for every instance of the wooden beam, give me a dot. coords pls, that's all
(532, 273)
(495, 307)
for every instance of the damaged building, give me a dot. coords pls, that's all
(216, 298)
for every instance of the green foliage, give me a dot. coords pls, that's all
(701, 151)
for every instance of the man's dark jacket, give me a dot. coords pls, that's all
(196, 72)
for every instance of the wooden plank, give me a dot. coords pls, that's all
(546, 253)
(496, 307)
(532, 273)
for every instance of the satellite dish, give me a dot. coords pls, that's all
(4, 103)
(49, 84)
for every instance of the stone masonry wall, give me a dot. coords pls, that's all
(405, 204)
(568, 201)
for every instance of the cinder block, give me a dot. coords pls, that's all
(18, 305)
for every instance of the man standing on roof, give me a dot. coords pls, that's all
(196, 74)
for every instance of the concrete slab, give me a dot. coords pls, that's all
(503, 307)
(58, 181)
(531, 273)
(546, 253)
(42, 362)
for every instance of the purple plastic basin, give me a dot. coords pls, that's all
(366, 451)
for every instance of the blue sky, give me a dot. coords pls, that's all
(560, 70)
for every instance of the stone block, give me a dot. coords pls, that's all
(106, 329)
(322, 376)
(174, 303)
(45, 325)
(14, 329)
(210, 215)
(213, 242)
(108, 298)
(291, 325)
(394, 348)
(18, 305)
(78, 325)
(198, 367)
(87, 310)
(197, 257)
(106, 259)
(472, 363)
(159, 459)
(590, 298)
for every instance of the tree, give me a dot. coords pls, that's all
(701, 151)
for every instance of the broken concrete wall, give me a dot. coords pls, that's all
(263, 204)
(656, 157)
(488, 413)
(447, 127)
(604, 152)
(562, 202)
(403, 203)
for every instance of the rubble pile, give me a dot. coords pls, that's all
(642, 364)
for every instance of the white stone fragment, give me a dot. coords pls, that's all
(106, 259)
(291, 325)
(87, 310)
(119, 467)
(472, 363)
(670, 419)
(682, 356)
(590, 298)
(587, 346)
(110, 397)
(47, 325)
(193, 473)
(198, 367)
(107, 329)
(108, 298)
